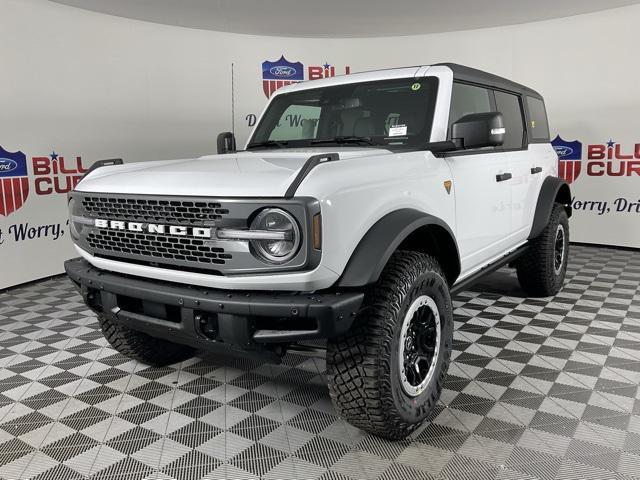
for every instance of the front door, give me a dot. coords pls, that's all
(483, 206)
(482, 187)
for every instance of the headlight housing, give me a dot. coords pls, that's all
(74, 227)
(275, 221)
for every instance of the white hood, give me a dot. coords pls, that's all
(265, 173)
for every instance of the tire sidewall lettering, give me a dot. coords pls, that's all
(417, 408)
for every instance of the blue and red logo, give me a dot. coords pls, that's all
(14, 181)
(610, 159)
(280, 73)
(569, 158)
(283, 72)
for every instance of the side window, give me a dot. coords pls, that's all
(296, 123)
(539, 124)
(509, 106)
(466, 99)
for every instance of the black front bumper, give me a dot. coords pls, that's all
(210, 318)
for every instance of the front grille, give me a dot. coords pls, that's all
(157, 247)
(175, 212)
(185, 250)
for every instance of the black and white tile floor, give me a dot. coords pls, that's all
(539, 388)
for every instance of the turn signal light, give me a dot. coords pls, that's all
(316, 231)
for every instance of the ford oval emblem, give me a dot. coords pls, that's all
(7, 165)
(283, 71)
(563, 151)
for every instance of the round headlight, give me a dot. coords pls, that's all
(285, 233)
(74, 227)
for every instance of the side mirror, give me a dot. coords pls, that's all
(479, 130)
(226, 142)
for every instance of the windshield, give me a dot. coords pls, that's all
(395, 112)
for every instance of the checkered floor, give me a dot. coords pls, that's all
(539, 388)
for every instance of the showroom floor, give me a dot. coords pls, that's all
(539, 388)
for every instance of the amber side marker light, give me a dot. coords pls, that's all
(316, 231)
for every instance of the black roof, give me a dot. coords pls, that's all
(472, 75)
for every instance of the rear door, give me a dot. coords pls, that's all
(521, 164)
(543, 158)
(482, 190)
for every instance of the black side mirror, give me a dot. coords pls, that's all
(226, 142)
(479, 130)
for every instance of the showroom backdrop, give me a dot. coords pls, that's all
(77, 86)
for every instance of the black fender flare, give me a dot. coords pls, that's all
(553, 190)
(383, 238)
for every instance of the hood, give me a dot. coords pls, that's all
(265, 173)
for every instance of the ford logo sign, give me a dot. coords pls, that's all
(282, 71)
(7, 165)
(563, 151)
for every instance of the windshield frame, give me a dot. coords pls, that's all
(412, 141)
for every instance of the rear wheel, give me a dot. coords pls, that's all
(541, 270)
(386, 374)
(142, 347)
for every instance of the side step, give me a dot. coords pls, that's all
(486, 270)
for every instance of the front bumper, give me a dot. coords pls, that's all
(209, 318)
(305, 281)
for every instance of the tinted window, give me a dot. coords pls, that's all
(297, 122)
(509, 106)
(539, 125)
(467, 99)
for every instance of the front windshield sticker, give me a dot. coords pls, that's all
(416, 86)
(397, 130)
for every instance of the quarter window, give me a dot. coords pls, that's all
(539, 125)
(509, 106)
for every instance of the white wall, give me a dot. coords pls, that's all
(96, 86)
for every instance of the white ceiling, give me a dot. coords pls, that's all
(343, 18)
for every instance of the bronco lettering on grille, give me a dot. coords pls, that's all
(182, 231)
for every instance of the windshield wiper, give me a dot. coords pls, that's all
(345, 139)
(269, 144)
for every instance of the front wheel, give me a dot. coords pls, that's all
(386, 374)
(542, 268)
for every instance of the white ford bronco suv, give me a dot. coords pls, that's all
(359, 204)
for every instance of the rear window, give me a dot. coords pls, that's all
(538, 123)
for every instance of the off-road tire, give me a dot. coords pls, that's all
(363, 367)
(142, 347)
(536, 268)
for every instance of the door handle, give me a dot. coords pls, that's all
(503, 177)
(535, 170)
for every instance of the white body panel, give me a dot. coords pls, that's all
(352, 201)
(489, 219)
(526, 185)
(493, 218)
(483, 213)
(244, 174)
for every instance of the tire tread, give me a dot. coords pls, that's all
(535, 268)
(358, 364)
